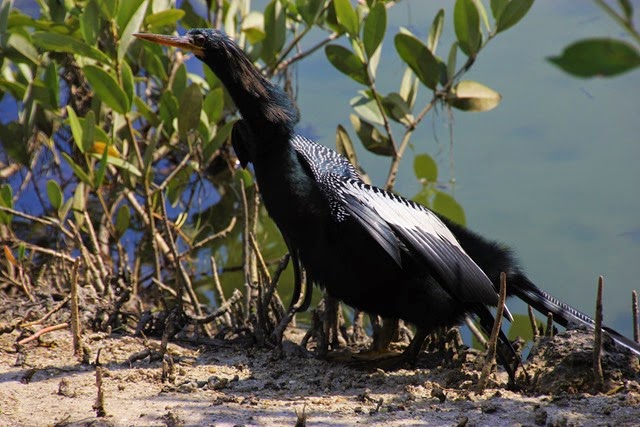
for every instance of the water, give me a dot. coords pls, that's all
(552, 171)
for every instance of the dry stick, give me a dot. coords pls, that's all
(36, 219)
(98, 284)
(43, 331)
(634, 304)
(96, 247)
(98, 406)
(220, 234)
(218, 286)
(49, 313)
(549, 332)
(475, 331)
(597, 345)
(186, 282)
(534, 324)
(224, 308)
(493, 339)
(76, 332)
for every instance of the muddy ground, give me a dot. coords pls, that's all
(222, 383)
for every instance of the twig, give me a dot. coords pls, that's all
(42, 332)
(184, 279)
(597, 345)
(38, 220)
(534, 324)
(223, 309)
(98, 406)
(476, 332)
(75, 312)
(636, 329)
(98, 284)
(220, 234)
(96, 247)
(549, 332)
(49, 314)
(218, 286)
(490, 360)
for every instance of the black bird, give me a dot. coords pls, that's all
(368, 247)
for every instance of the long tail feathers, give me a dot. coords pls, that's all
(564, 314)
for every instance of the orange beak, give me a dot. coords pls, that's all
(182, 42)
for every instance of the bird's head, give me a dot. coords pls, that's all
(205, 43)
(265, 106)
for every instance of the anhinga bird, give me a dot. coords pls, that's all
(368, 247)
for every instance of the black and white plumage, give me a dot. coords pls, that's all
(370, 248)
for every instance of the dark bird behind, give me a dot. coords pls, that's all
(368, 247)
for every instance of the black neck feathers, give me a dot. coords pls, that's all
(265, 106)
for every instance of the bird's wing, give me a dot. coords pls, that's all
(389, 217)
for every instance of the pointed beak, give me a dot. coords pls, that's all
(182, 42)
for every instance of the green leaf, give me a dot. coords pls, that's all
(473, 96)
(419, 58)
(597, 57)
(90, 22)
(309, 10)
(80, 173)
(435, 31)
(132, 26)
(275, 28)
(14, 142)
(164, 18)
(347, 18)
(102, 168)
(168, 109)
(253, 27)
(119, 163)
(398, 109)
(190, 107)
(425, 168)
(451, 61)
(123, 218)
(107, 88)
(409, 87)
(375, 26)
(483, 13)
(344, 145)
(497, 6)
(79, 203)
(52, 86)
(61, 43)
(213, 105)
(55, 194)
(347, 62)
(221, 136)
(22, 45)
(88, 131)
(128, 83)
(512, 13)
(466, 21)
(367, 107)
(76, 128)
(6, 200)
(446, 205)
(372, 139)
(146, 112)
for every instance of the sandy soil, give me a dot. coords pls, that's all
(235, 384)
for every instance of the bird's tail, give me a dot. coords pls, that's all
(564, 314)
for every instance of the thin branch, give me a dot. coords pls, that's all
(42, 332)
(220, 234)
(598, 375)
(634, 308)
(493, 340)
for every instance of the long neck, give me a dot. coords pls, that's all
(265, 107)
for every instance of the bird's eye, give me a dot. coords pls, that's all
(199, 40)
